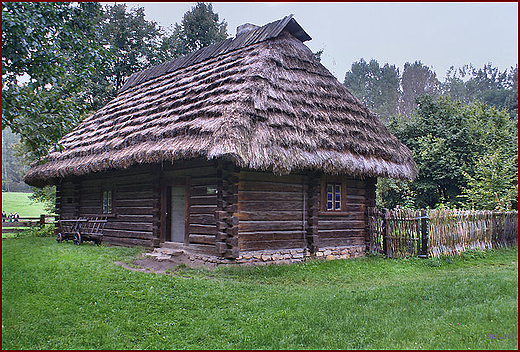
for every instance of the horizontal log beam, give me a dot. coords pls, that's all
(201, 239)
(203, 229)
(251, 226)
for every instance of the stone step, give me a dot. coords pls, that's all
(159, 256)
(169, 251)
(172, 245)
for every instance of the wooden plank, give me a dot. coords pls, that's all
(247, 226)
(188, 164)
(204, 200)
(201, 239)
(269, 177)
(350, 208)
(91, 210)
(270, 215)
(120, 180)
(202, 248)
(347, 233)
(200, 171)
(203, 229)
(352, 198)
(138, 202)
(127, 234)
(355, 191)
(341, 224)
(135, 218)
(271, 236)
(203, 209)
(201, 190)
(325, 216)
(339, 242)
(91, 202)
(136, 210)
(261, 205)
(353, 183)
(202, 181)
(270, 196)
(130, 226)
(91, 191)
(244, 186)
(118, 196)
(203, 219)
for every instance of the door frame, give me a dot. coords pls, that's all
(178, 181)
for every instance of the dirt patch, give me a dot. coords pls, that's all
(151, 265)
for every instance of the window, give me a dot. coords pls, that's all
(107, 202)
(333, 191)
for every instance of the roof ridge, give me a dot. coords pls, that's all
(267, 31)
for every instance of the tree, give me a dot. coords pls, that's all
(49, 52)
(488, 84)
(417, 80)
(447, 139)
(133, 44)
(200, 27)
(377, 87)
(494, 184)
(12, 169)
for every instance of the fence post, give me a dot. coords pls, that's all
(424, 233)
(42, 221)
(386, 249)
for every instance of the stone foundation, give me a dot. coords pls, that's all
(279, 256)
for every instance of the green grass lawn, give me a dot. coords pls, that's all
(61, 296)
(20, 202)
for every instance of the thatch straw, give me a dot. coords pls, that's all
(267, 106)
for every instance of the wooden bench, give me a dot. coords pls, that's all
(81, 229)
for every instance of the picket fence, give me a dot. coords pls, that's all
(403, 232)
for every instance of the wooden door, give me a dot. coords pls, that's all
(178, 214)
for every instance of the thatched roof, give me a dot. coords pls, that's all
(260, 100)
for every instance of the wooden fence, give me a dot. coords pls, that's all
(403, 232)
(454, 231)
(26, 222)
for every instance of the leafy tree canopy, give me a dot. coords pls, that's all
(376, 86)
(454, 146)
(200, 27)
(49, 52)
(417, 80)
(487, 84)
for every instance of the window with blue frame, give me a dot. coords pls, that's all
(333, 200)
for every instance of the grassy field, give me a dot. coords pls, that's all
(61, 296)
(20, 202)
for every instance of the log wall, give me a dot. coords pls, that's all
(201, 198)
(228, 210)
(346, 227)
(271, 211)
(135, 208)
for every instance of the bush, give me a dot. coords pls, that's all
(47, 231)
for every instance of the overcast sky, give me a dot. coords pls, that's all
(438, 34)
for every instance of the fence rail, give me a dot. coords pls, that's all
(26, 222)
(403, 232)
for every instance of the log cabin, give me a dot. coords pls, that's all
(246, 149)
